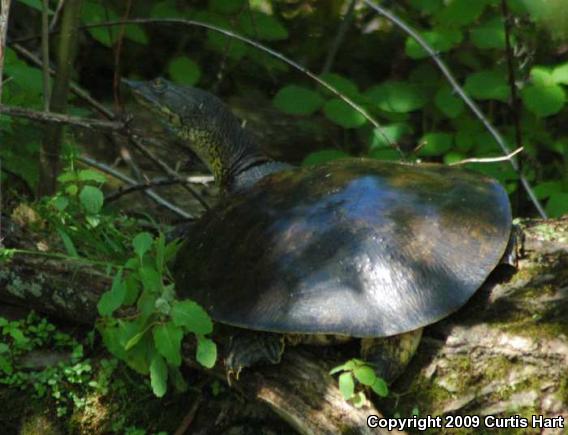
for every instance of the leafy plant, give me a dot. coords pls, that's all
(69, 381)
(150, 340)
(362, 372)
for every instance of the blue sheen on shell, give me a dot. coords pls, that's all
(354, 247)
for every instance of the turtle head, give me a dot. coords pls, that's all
(202, 122)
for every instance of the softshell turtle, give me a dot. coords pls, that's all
(354, 248)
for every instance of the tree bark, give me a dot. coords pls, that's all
(505, 353)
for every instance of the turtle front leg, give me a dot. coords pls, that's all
(390, 355)
(248, 349)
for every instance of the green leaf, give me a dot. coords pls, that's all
(94, 12)
(226, 6)
(142, 243)
(487, 85)
(135, 339)
(296, 100)
(341, 84)
(206, 353)
(489, 35)
(319, 157)
(27, 78)
(343, 114)
(167, 339)
(346, 385)
(458, 13)
(453, 157)
(67, 242)
(365, 374)
(113, 298)
(262, 26)
(359, 400)
(398, 97)
(6, 365)
(435, 144)
(560, 74)
(160, 252)
(448, 102)
(439, 40)
(380, 387)
(465, 140)
(88, 175)
(146, 303)
(548, 188)
(191, 316)
(183, 70)
(541, 76)
(151, 279)
(132, 289)
(394, 133)
(92, 199)
(542, 100)
(136, 33)
(158, 375)
(557, 205)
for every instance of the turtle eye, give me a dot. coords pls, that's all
(159, 84)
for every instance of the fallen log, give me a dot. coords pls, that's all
(504, 354)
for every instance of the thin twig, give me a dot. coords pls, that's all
(126, 179)
(45, 53)
(156, 182)
(187, 420)
(4, 14)
(139, 145)
(514, 103)
(488, 159)
(117, 53)
(345, 23)
(458, 89)
(139, 187)
(512, 81)
(57, 118)
(56, 15)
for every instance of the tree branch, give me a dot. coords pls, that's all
(4, 14)
(57, 118)
(66, 51)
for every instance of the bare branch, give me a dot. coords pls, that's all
(339, 37)
(126, 179)
(45, 53)
(57, 118)
(4, 14)
(488, 159)
(56, 15)
(138, 143)
(139, 187)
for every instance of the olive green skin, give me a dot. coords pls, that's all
(355, 247)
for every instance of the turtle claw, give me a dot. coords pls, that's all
(248, 349)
